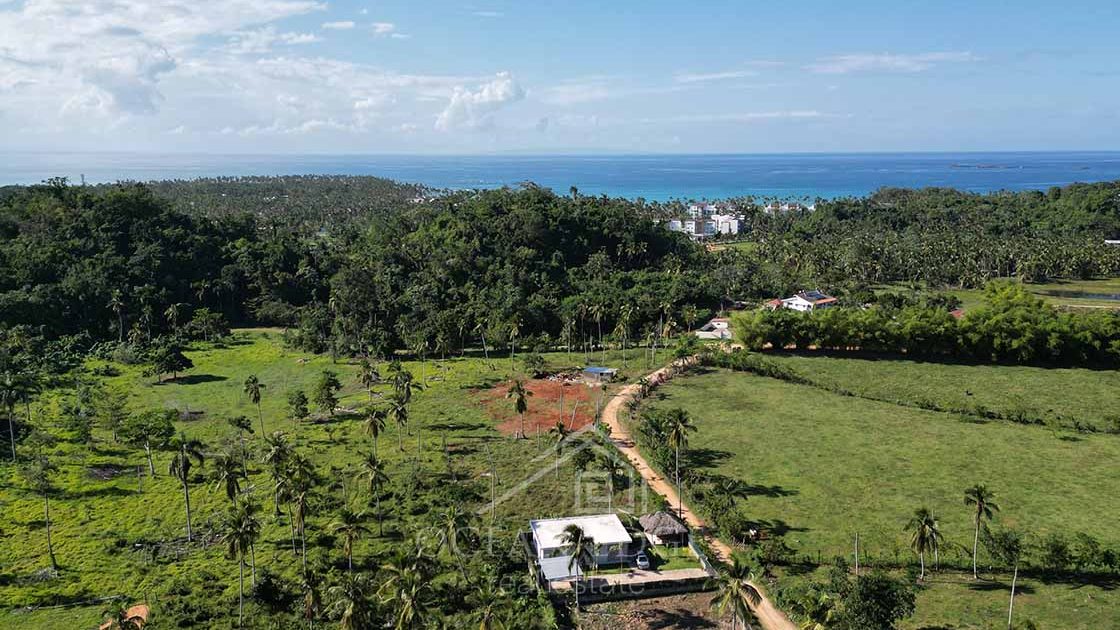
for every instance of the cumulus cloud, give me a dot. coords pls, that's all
(886, 62)
(343, 25)
(262, 40)
(474, 109)
(109, 57)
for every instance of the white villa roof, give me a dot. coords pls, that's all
(604, 529)
(560, 567)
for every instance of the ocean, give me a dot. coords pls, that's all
(653, 177)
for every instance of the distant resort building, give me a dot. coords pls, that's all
(707, 220)
(778, 207)
(804, 301)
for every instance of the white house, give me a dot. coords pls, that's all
(718, 328)
(809, 301)
(612, 543)
(706, 220)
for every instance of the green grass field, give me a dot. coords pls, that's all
(100, 525)
(824, 467)
(1090, 397)
(1066, 293)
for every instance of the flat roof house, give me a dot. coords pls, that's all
(718, 328)
(809, 301)
(612, 543)
(595, 374)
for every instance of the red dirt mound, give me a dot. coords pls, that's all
(544, 405)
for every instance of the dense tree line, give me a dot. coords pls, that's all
(1012, 326)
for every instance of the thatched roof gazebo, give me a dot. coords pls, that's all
(664, 528)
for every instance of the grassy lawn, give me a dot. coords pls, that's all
(664, 558)
(1069, 293)
(101, 523)
(824, 466)
(1063, 394)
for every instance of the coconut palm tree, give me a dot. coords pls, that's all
(9, 397)
(520, 396)
(373, 474)
(613, 469)
(735, 593)
(312, 598)
(240, 530)
(253, 388)
(276, 457)
(116, 304)
(186, 449)
(228, 472)
(455, 532)
(488, 602)
(301, 480)
(514, 331)
(368, 376)
(37, 475)
(408, 590)
(242, 424)
(375, 425)
(351, 603)
(398, 414)
(349, 525)
(560, 433)
(580, 547)
(980, 498)
(679, 426)
(925, 535)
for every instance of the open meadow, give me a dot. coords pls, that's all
(113, 538)
(821, 467)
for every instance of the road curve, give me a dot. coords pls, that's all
(768, 614)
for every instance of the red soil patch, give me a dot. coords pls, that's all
(544, 405)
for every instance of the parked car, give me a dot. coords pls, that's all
(642, 561)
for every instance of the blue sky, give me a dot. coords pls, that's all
(305, 76)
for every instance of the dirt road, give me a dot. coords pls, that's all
(768, 615)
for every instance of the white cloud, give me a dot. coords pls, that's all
(262, 40)
(886, 62)
(576, 91)
(383, 28)
(713, 76)
(343, 25)
(489, 14)
(740, 117)
(474, 109)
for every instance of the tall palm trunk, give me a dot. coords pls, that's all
(1011, 607)
(260, 417)
(975, 541)
(922, 559)
(12, 432)
(680, 497)
(380, 527)
(292, 528)
(151, 465)
(253, 557)
(50, 545)
(240, 590)
(187, 499)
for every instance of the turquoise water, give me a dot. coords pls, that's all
(653, 177)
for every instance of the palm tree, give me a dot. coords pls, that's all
(38, 478)
(240, 530)
(580, 547)
(455, 531)
(349, 526)
(560, 433)
(980, 498)
(368, 376)
(253, 388)
(116, 303)
(735, 593)
(180, 468)
(276, 458)
(622, 328)
(514, 331)
(227, 475)
(519, 395)
(925, 535)
(172, 314)
(242, 424)
(375, 425)
(301, 480)
(613, 469)
(488, 601)
(351, 602)
(312, 599)
(407, 589)
(679, 426)
(9, 396)
(398, 413)
(373, 474)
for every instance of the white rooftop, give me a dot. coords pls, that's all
(604, 529)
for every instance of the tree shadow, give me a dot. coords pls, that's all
(1021, 588)
(679, 618)
(105, 491)
(704, 457)
(193, 379)
(770, 491)
(457, 426)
